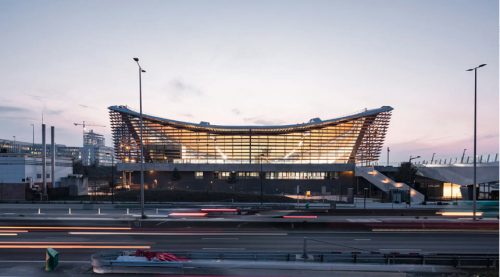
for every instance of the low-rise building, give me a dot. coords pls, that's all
(19, 172)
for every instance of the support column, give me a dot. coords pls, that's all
(44, 163)
(52, 156)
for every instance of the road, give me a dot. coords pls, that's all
(22, 247)
(78, 233)
(13, 247)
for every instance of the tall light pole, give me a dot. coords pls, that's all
(140, 136)
(463, 156)
(413, 158)
(33, 145)
(409, 191)
(475, 140)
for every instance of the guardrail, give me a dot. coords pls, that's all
(463, 261)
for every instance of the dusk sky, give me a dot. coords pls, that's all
(255, 63)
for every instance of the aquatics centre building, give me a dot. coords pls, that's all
(319, 155)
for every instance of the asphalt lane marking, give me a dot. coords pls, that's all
(400, 249)
(365, 220)
(220, 238)
(223, 248)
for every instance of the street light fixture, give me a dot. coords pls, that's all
(140, 136)
(475, 140)
(463, 156)
(414, 158)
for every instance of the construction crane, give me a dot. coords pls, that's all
(83, 124)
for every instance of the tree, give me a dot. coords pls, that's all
(407, 173)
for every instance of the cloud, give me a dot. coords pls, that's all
(260, 121)
(53, 112)
(12, 109)
(11, 118)
(87, 107)
(236, 111)
(179, 89)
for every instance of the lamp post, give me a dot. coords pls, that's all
(413, 158)
(475, 139)
(463, 156)
(33, 144)
(409, 191)
(140, 136)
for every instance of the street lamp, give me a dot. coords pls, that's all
(140, 136)
(463, 156)
(475, 139)
(414, 158)
(409, 190)
(33, 145)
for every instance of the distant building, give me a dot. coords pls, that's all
(20, 172)
(35, 149)
(94, 151)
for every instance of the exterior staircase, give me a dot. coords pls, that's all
(386, 184)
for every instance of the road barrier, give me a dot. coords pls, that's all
(202, 261)
(51, 259)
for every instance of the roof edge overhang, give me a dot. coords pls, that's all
(308, 125)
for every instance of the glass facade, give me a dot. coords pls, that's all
(356, 138)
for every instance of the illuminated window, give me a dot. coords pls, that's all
(198, 175)
(451, 191)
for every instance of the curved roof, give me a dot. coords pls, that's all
(209, 127)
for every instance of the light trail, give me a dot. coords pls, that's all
(459, 213)
(71, 246)
(300, 216)
(188, 214)
(13, 231)
(56, 242)
(223, 210)
(175, 234)
(64, 228)
(8, 234)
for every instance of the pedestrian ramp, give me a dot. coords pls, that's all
(386, 184)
